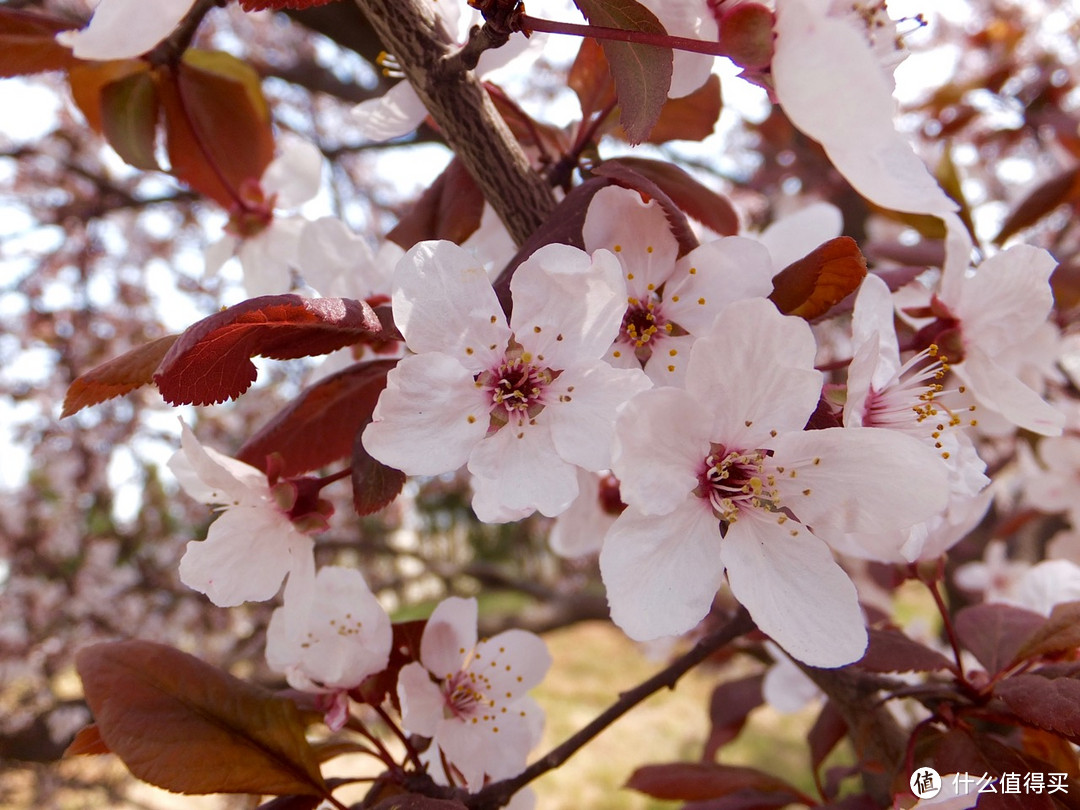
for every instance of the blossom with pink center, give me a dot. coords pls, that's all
(524, 404)
(669, 300)
(124, 29)
(722, 482)
(470, 697)
(331, 642)
(255, 543)
(909, 397)
(986, 319)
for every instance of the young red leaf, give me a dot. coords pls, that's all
(811, 286)
(210, 362)
(450, 208)
(129, 115)
(590, 78)
(642, 73)
(690, 118)
(375, 485)
(1060, 633)
(679, 193)
(1052, 704)
(28, 43)
(1044, 198)
(828, 730)
(892, 651)
(131, 370)
(962, 752)
(319, 426)
(698, 781)
(87, 742)
(217, 124)
(183, 725)
(995, 633)
(729, 706)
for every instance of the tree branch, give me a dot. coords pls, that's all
(413, 32)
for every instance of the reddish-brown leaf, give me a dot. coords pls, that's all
(1060, 633)
(590, 78)
(679, 193)
(642, 73)
(278, 5)
(28, 43)
(1040, 201)
(729, 706)
(183, 725)
(892, 651)
(375, 485)
(746, 35)
(811, 286)
(1052, 704)
(415, 801)
(217, 124)
(698, 781)
(87, 742)
(117, 377)
(962, 752)
(689, 118)
(319, 426)
(210, 362)
(828, 730)
(995, 633)
(450, 208)
(129, 117)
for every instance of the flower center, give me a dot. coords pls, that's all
(644, 325)
(460, 695)
(736, 480)
(516, 386)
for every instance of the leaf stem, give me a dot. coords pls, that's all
(530, 24)
(498, 794)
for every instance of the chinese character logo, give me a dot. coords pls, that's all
(925, 783)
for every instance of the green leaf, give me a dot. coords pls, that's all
(185, 726)
(642, 73)
(129, 114)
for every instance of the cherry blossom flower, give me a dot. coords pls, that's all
(255, 542)
(669, 300)
(834, 85)
(986, 315)
(909, 397)
(330, 643)
(264, 236)
(124, 29)
(524, 404)
(721, 478)
(469, 696)
(1037, 587)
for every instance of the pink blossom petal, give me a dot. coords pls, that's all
(518, 467)
(692, 19)
(295, 174)
(661, 442)
(513, 662)
(124, 29)
(714, 275)
(213, 478)
(568, 305)
(1004, 393)
(637, 232)
(866, 480)
(793, 236)
(794, 590)
(662, 571)
(244, 558)
(584, 401)
(667, 365)
(443, 302)
(268, 257)
(449, 636)
(755, 368)
(394, 114)
(429, 417)
(580, 530)
(422, 701)
(338, 263)
(815, 54)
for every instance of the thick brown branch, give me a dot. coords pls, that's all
(457, 101)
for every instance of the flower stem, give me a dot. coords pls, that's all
(531, 24)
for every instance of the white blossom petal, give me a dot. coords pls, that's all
(295, 174)
(1004, 393)
(124, 29)
(449, 636)
(794, 590)
(429, 417)
(791, 237)
(661, 572)
(338, 263)
(394, 114)
(421, 700)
